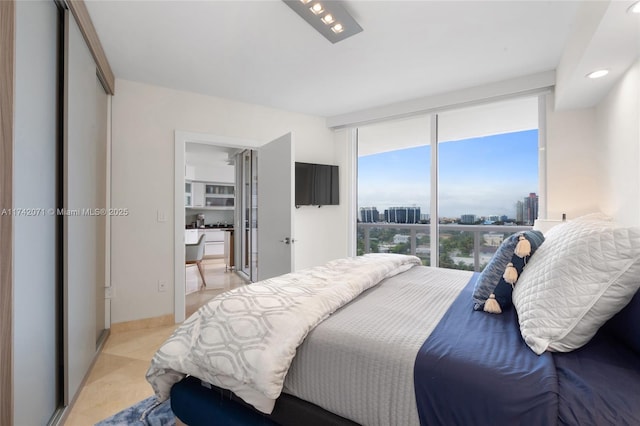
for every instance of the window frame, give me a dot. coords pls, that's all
(352, 160)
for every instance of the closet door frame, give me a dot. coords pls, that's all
(7, 68)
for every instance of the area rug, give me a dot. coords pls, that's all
(147, 412)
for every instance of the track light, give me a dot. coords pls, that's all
(329, 18)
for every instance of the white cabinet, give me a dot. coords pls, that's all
(214, 245)
(197, 189)
(188, 194)
(210, 195)
(214, 240)
(219, 195)
(191, 236)
(189, 172)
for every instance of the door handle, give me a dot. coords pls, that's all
(288, 240)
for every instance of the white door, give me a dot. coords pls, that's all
(275, 207)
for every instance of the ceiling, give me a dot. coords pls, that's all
(261, 52)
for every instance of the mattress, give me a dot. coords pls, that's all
(245, 339)
(356, 367)
(411, 350)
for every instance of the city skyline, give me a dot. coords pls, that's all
(485, 176)
(526, 213)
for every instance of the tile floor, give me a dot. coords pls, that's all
(218, 281)
(117, 381)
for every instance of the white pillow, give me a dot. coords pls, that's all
(591, 217)
(583, 274)
(595, 217)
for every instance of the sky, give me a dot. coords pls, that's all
(482, 176)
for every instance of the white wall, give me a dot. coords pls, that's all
(345, 224)
(593, 155)
(575, 171)
(320, 233)
(618, 120)
(144, 120)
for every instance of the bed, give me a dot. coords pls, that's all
(407, 346)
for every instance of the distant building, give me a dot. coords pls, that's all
(402, 215)
(530, 209)
(519, 212)
(369, 214)
(468, 219)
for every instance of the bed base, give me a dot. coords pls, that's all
(195, 404)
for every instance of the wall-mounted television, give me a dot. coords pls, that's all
(316, 185)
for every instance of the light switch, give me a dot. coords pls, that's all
(162, 216)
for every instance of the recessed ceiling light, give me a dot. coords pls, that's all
(337, 28)
(598, 74)
(317, 9)
(328, 19)
(634, 8)
(305, 1)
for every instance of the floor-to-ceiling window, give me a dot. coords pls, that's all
(479, 186)
(394, 187)
(487, 179)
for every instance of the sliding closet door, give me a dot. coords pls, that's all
(36, 319)
(82, 237)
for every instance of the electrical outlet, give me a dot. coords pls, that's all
(162, 286)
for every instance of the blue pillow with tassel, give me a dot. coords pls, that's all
(492, 292)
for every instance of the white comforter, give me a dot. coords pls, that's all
(245, 339)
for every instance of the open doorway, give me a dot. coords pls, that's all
(205, 206)
(210, 203)
(272, 244)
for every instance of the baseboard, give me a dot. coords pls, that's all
(142, 324)
(213, 256)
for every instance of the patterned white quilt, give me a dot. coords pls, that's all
(245, 339)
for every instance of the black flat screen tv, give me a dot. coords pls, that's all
(316, 185)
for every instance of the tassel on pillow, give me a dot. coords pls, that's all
(523, 248)
(492, 306)
(510, 274)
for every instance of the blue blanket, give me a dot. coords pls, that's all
(475, 369)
